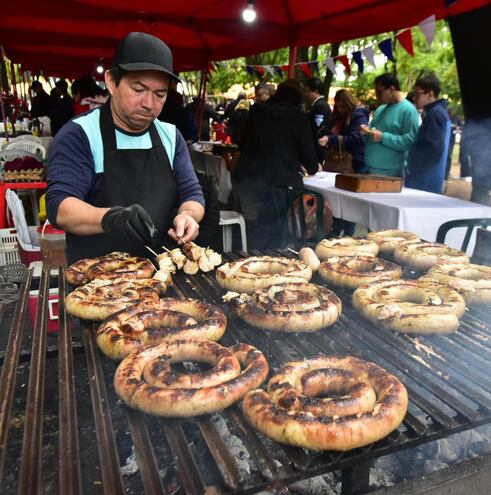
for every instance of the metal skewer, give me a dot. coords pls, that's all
(166, 249)
(292, 251)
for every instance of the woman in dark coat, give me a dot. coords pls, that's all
(275, 145)
(346, 122)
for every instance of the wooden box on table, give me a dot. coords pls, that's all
(368, 183)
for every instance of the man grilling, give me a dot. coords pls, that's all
(118, 178)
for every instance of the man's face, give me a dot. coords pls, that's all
(383, 94)
(262, 95)
(422, 97)
(311, 95)
(138, 99)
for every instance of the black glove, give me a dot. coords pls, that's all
(132, 221)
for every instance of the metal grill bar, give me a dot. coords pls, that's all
(186, 466)
(69, 460)
(223, 458)
(9, 368)
(108, 454)
(30, 471)
(144, 453)
(436, 409)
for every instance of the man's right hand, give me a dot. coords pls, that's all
(132, 221)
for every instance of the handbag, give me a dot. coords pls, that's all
(338, 159)
(312, 230)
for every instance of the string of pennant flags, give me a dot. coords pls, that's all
(311, 68)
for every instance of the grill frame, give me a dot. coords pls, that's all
(448, 414)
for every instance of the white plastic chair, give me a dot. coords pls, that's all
(31, 146)
(227, 219)
(28, 137)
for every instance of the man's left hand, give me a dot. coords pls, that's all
(186, 228)
(376, 135)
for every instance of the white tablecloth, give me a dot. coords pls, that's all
(412, 210)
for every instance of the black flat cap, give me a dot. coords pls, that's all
(142, 51)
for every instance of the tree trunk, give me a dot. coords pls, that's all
(302, 56)
(334, 52)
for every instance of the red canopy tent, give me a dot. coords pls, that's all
(70, 37)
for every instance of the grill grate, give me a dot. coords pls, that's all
(94, 434)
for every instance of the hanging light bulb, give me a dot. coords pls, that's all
(249, 14)
(99, 69)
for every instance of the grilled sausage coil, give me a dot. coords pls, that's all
(108, 267)
(156, 321)
(352, 271)
(410, 306)
(472, 281)
(256, 272)
(145, 381)
(100, 299)
(289, 307)
(370, 403)
(389, 240)
(345, 246)
(423, 255)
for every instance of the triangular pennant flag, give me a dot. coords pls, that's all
(306, 69)
(406, 40)
(269, 70)
(259, 70)
(386, 47)
(278, 70)
(369, 54)
(331, 64)
(428, 27)
(314, 66)
(358, 61)
(344, 60)
(249, 69)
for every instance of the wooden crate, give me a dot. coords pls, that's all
(368, 183)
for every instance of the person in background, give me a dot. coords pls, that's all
(238, 120)
(274, 146)
(63, 109)
(392, 130)
(42, 104)
(206, 114)
(261, 92)
(347, 119)
(175, 113)
(427, 160)
(118, 178)
(320, 114)
(86, 94)
(229, 110)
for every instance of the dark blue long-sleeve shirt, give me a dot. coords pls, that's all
(76, 159)
(427, 158)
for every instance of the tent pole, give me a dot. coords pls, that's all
(291, 62)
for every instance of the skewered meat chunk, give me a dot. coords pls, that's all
(178, 258)
(192, 251)
(214, 257)
(191, 267)
(205, 263)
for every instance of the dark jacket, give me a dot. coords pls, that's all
(42, 105)
(276, 141)
(352, 138)
(208, 113)
(320, 116)
(427, 158)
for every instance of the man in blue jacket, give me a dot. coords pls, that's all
(428, 157)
